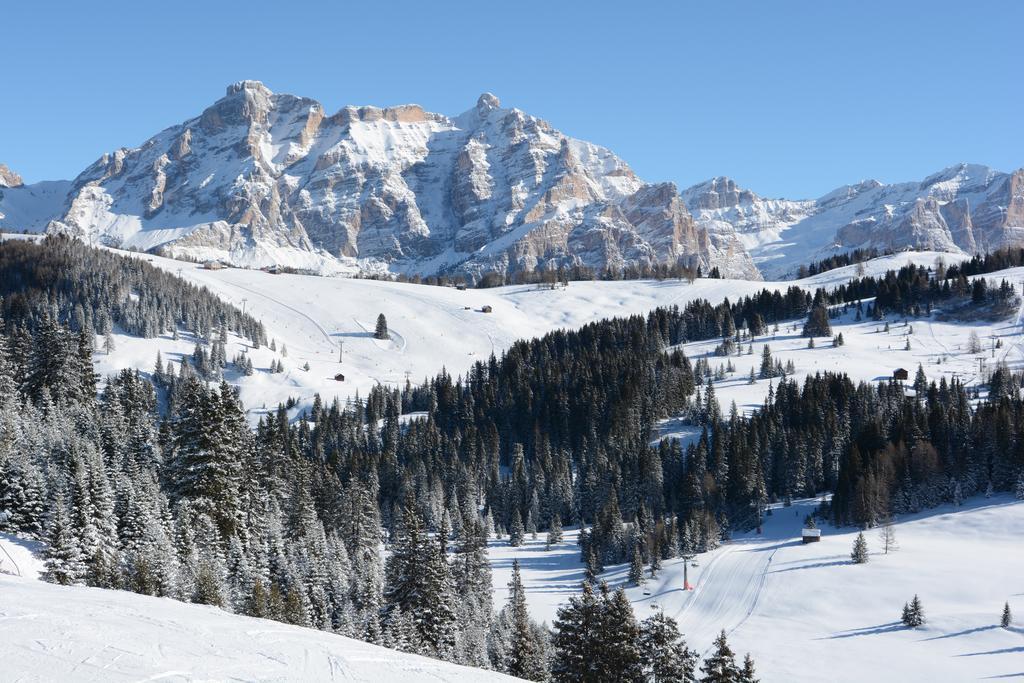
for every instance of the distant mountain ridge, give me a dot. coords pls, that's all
(965, 208)
(261, 179)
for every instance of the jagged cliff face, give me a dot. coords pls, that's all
(965, 208)
(261, 178)
(9, 178)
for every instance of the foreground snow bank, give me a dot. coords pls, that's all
(57, 633)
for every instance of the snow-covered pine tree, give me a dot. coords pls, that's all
(524, 656)
(913, 613)
(1007, 616)
(748, 673)
(636, 566)
(666, 658)
(767, 367)
(818, 324)
(472, 580)
(576, 640)
(516, 532)
(554, 532)
(381, 331)
(720, 666)
(619, 639)
(859, 555)
(64, 558)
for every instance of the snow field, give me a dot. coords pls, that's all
(319, 319)
(92, 634)
(806, 613)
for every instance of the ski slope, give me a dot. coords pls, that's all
(71, 634)
(322, 319)
(20, 557)
(806, 613)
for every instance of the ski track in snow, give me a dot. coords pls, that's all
(293, 309)
(807, 614)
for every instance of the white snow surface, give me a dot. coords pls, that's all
(432, 328)
(73, 633)
(31, 207)
(20, 557)
(806, 613)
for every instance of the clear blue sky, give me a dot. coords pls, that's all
(789, 98)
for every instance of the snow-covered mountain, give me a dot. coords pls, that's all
(29, 207)
(261, 178)
(965, 208)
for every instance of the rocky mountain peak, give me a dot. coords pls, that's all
(962, 176)
(248, 86)
(486, 103)
(720, 192)
(9, 178)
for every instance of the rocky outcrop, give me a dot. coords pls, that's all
(259, 176)
(9, 178)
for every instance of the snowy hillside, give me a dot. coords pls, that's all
(90, 634)
(317, 319)
(803, 611)
(31, 207)
(807, 614)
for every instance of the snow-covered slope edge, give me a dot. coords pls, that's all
(62, 633)
(29, 207)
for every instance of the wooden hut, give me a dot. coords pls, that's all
(810, 535)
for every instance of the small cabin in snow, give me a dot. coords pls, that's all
(213, 265)
(810, 535)
(486, 309)
(339, 377)
(900, 374)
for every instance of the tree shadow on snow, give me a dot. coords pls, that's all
(1019, 674)
(1003, 651)
(965, 632)
(867, 631)
(815, 565)
(766, 548)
